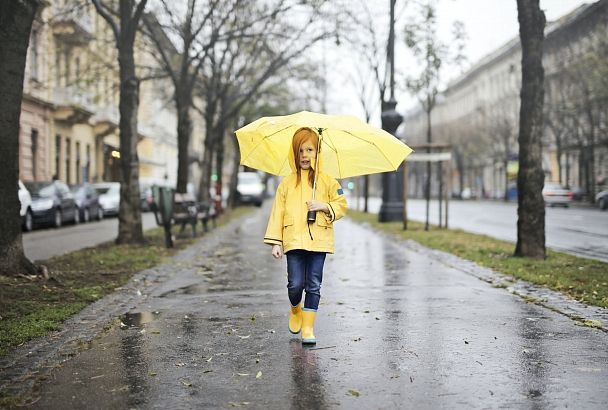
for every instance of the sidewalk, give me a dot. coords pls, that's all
(398, 324)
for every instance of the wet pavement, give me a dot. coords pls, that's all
(398, 327)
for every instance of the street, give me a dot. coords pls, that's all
(581, 231)
(44, 243)
(396, 328)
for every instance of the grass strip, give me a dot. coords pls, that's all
(585, 280)
(33, 308)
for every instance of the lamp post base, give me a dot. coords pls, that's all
(391, 212)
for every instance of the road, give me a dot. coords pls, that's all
(42, 244)
(396, 328)
(581, 231)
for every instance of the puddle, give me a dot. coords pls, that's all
(137, 319)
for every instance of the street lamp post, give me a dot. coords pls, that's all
(392, 182)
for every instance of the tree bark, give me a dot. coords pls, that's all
(16, 19)
(183, 102)
(530, 177)
(129, 213)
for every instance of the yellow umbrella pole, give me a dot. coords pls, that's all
(311, 216)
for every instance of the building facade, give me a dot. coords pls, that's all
(478, 113)
(69, 119)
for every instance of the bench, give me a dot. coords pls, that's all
(187, 211)
(172, 208)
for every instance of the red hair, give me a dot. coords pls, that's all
(301, 136)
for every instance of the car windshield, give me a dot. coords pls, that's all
(78, 190)
(112, 190)
(553, 186)
(42, 190)
(249, 178)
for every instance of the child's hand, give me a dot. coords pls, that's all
(314, 205)
(277, 251)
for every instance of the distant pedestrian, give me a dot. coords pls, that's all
(305, 243)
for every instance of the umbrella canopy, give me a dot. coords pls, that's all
(349, 146)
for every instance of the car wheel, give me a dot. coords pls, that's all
(603, 203)
(86, 215)
(76, 216)
(28, 224)
(99, 213)
(57, 219)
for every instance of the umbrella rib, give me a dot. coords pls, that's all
(261, 141)
(370, 142)
(336, 151)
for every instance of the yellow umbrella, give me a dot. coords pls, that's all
(349, 146)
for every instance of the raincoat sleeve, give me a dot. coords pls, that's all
(337, 203)
(274, 230)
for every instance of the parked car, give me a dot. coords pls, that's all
(27, 220)
(555, 194)
(87, 200)
(109, 196)
(249, 188)
(601, 199)
(52, 203)
(145, 198)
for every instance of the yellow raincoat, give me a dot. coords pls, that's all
(287, 225)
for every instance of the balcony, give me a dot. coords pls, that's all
(72, 105)
(72, 25)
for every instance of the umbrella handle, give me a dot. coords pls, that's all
(311, 216)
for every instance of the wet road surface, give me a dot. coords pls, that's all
(45, 243)
(396, 329)
(579, 230)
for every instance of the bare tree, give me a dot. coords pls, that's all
(16, 19)
(422, 39)
(240, 67)
(125, 29)
(530, 178)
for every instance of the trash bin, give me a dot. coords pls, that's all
(163, 210)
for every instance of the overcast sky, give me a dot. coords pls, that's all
(489, 24)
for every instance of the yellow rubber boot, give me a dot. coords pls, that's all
(295, 319)
(308, 322)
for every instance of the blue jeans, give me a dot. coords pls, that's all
(305, 272)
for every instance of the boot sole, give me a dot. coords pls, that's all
(309, 341)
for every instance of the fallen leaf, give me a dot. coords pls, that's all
(354, 392)
(245, 337)
(152, 374)
(259, 375)
(187, 384)
(155, 331)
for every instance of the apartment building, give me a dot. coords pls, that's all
(69, 120)
(478, 113)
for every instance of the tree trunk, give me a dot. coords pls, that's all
(530, 177)
(129, 213)
(183, 102)
(16, 19)
(206, 165)
(234, 176)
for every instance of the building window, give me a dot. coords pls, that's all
(34, 148)
(67, 160)
(87, 166)
(57, 156)
(33, 49)
(77, 148)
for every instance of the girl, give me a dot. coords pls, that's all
(304, 243)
